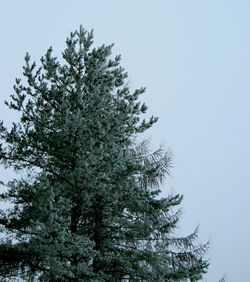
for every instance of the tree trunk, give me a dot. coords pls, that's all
(98, 237)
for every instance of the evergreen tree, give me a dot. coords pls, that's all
(88, 205)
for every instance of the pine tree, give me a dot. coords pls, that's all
(87, 205)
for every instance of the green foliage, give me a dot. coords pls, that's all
(88, 208)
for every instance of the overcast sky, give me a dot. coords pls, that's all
(193, 58)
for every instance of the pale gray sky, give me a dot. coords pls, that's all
(193, 57)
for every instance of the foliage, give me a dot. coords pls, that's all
(88, 207)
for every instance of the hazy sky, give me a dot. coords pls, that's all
(193, 58)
